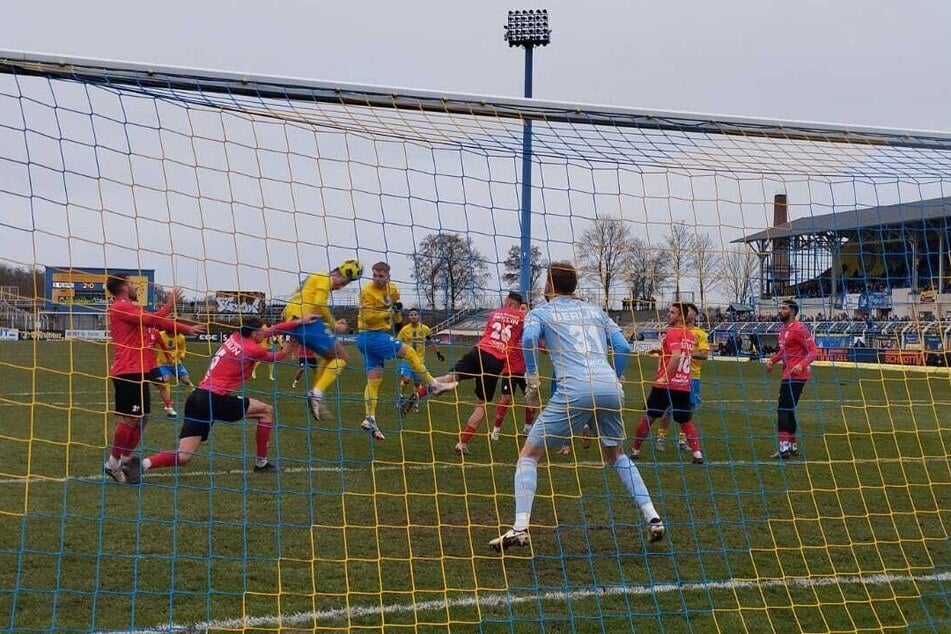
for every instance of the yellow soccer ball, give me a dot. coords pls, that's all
(351, 269)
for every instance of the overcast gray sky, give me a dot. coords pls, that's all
(871, 63)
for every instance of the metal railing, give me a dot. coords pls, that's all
(455, 318)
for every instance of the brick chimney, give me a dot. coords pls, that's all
(780, 210)
(780, 248)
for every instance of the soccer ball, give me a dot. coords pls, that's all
(351, 269)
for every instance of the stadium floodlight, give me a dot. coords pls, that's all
(528, 28)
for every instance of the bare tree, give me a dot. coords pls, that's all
(448, 264)
(647, 271)
(605, 252)
(737, 272)
(679, 253)
(706, 262)
(29, 282)
(161, 294)
(513, 268)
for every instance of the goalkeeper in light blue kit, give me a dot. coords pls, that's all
(578, 336)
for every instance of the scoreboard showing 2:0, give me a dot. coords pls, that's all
(85, 288)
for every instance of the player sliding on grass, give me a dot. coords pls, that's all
(215, 399)
(578, 336)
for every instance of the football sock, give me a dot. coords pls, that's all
(526, 481)
(371, 394)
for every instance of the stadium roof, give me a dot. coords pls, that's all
(847, 221)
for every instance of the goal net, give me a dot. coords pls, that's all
(234, 188)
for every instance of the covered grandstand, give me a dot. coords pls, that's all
(886, 262)
(873, 285)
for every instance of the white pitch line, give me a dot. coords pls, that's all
(643, 465)
(501, 600)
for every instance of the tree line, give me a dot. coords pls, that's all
(610, 254)
(450, 271)
(448, 265)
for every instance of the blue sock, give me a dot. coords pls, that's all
(526, 481)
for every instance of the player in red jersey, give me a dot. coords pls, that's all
(133, 364)
(214, 399)
(484, 362)
(513, 376)
(671, 388)
(797, 351)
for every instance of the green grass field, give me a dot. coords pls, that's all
(393, 536)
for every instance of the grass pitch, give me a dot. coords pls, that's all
(393, 536)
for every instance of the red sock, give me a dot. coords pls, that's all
(500, 411)
(690, 430)
(422, 391)
(262, 437)
(466, 434)
(164, 459)
(640, 434)
(124, 440)
(137, 435)
(792, 438)
(783, 436)
(530, 415)
(168, 403)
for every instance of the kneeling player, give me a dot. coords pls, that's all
(214, 400)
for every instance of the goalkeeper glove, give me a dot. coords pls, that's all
(397, 306)
(532, 386)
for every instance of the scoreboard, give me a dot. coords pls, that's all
(85, 289)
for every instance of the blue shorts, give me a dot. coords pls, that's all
(568, 411)
(314, 336)
(376, 347)
(695, 399)
(173, 371)
(407, 371)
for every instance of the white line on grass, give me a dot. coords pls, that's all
(501, 600)
(170, 474)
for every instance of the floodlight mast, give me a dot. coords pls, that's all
(528, 29)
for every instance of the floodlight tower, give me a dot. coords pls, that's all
(528, 29)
